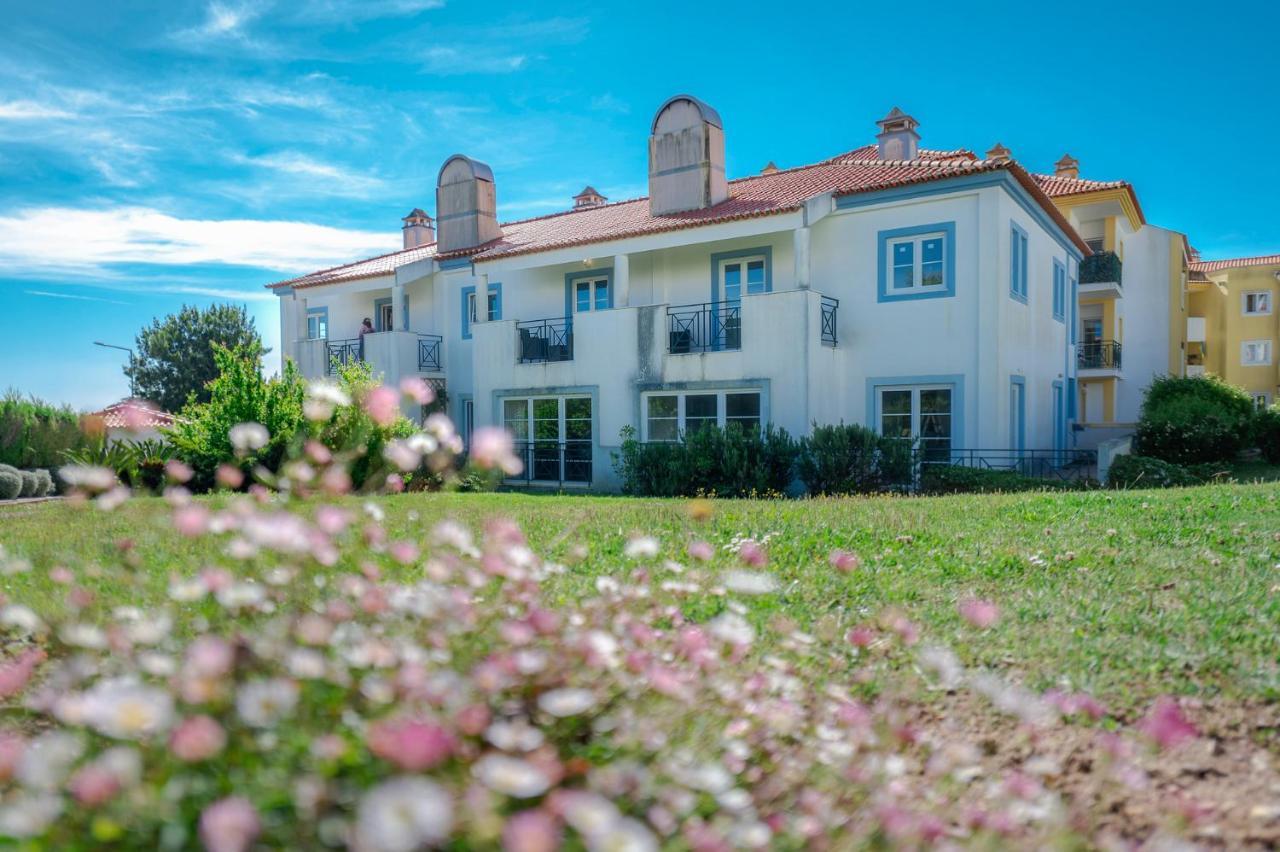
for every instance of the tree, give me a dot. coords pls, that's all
(175, 357)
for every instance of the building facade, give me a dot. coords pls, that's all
(928, 294)
(1234, 324)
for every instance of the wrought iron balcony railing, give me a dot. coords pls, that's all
(343, 352)
(707, 327)
(1064, 464)
(1098, 355)
(558, 462)
(429, 352)
(1100, 268)
(830, 308)
(544, 341)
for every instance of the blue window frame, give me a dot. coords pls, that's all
(1059, 291)
(588, 290)
(738, 273)
(1017, 413)
(471, 307)
(917, 262)
(493, 304)
(317, 323)
(1018, 262)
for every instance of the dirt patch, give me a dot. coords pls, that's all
(1219, 790)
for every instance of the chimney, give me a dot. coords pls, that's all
(588, 198)
(466, 204)
(999, 153)
(897, 138)
(686, 157)
(769, 168)
(1067, 167)
(419, 230)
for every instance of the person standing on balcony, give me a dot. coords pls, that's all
(366, 327)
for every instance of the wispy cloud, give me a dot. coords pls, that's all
(321, 178)
(224, 24)
(451, 60)
(75, 296)
(25, 110)
(34, 242)
(362, 10)
(608, 102)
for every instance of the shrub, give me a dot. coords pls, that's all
(34, 433)
(955, 479)
(44, 483)
(29, 483)
(852, 459)
(1193, 420)
(10, 483)
(730, 462)
(1132, 471)
(1266, 433)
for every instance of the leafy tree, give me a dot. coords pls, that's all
(175, 355)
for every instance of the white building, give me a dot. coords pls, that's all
(925, 293)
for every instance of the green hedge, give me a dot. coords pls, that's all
(34, 433)
(852, 459)
(1194, 420)
(10, 483)
(1266, 433)
(955, 479)
(730, 462)
(1133, 471)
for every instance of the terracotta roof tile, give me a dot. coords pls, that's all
(1056, 186)
(770, 194)
(134, 414)
(1219, 265)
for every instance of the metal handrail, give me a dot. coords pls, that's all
(559, 462)
(1064, 464)
(1098, 355)
(830, 308)
(429, 352)
(343, 352)
(704, 327)
(545, 341)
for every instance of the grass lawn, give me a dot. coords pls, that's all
(1125, 594)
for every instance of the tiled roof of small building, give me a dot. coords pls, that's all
(1235, 263)
(751, 197)
(134, 414)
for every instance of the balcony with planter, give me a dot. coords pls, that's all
(1101, 274)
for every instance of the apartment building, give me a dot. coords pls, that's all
(930, 294)
(1234, 330)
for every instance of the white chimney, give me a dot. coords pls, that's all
(686, 157)
(1068, 167)
(418, 229)
(466, 204)
(897, 138)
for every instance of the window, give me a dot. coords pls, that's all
(1017, 262)
(1255, 352)
(591, 294)
(1096, 244)
(669, 415)
(317, 323)
(491, 309)
(468, 421)
(921, 412)
(1257, 303)
(748, 272)
(1059, 291)
(1017, 413)
(1261, 400)
(917, 263)
(471, 307)
(1091, 329)
(552, 435)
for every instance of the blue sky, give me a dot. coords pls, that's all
(153, 154)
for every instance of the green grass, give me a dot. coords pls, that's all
(1125, 594)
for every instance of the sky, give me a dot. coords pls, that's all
(160, 154)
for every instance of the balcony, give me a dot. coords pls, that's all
(830, 309)
(429, 353)
(1100, 276)
(1099, 355)
(706, 327)
(1195, 330)
(545, 341)
(342, 352)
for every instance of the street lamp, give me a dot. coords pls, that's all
(133, 392)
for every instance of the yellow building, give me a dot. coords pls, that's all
(1233, 325)
(1131, 323)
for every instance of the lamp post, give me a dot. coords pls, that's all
(132, 387)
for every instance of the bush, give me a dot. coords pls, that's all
(1132, 471)
(10, 483)
(730, 462)
(954, 479)
(1266, 433)
(44, 483)
(852, 459)
(29, 483)
(1193, 420)
(34, 433)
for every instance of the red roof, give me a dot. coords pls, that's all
(1219, 265)
(785, 191)
(134, 414)
(1057, 186)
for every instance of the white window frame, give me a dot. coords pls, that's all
(722, 418)
(473, 307)
(318, 319)
(562, 440)
(917, 263)
(593, 283)
(1261, 399)
(1247, 346)
(491, 305)
(744, 287)
(915, 407)
(1244, 303)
